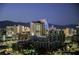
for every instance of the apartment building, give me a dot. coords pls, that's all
(14, 31)
(37, 28)
(69, 32)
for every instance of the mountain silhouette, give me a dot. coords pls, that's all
(5, 23)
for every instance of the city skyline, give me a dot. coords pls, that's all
(53, 13)
(38, 38)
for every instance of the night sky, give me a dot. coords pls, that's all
(53, 13)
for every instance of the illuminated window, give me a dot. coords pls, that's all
(38, 27)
